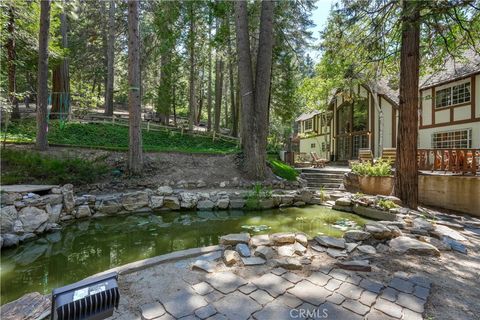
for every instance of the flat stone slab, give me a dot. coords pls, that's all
(237, 306)
(337, 243)
(25, 188)
(253, 261)
(444, 231)
(355, 265)
(207, 266)
(152, 311)
(30, 306)
(234, 238)
(273, 284)
(307, 291)
(225, 282)
(408, 245)
(184, 303)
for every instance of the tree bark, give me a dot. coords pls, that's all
(406, 173)
(110, 60)
(191, 35)
(61, 78)
(42, 87)
(218, 92)
(135, 154)
(209, 93)
(11, 63)
(198, 116)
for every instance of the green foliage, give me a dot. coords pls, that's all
(381, 168)
(115, 137)
(323, 194)
(386, 204)
(282, 169)
(257, 194)
(22, 166)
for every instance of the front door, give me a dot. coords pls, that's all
(352, 126)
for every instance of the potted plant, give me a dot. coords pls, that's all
(374, 178)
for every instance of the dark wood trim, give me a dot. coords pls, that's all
(372, 121)
(444, 124)
(433, 107)
(421, 108)
(393, 103)
(450, 81)
(394, 128)
(473, 96)
(451, 115)
(463, 104)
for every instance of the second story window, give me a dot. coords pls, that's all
(452, 95)
(308, 125)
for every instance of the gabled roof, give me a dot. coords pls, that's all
(385, 89)
(307, 115)
(453, 69)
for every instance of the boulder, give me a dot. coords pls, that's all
(381, 232)
(260, 240)
(54, 212)
(286, 250)
(304, 195)
(68, 197)
(9, 240)
(223, 203)
(234, 238)
(171, 202)
(205, 205)
(10, 198)
(231, 257)
(83, 211)
(156, 202)
(373, 213)
(8, 215)
(32, 219)
(135, 200)
(282, 238)
(188, 200)
(343, 202)
(264, 252)
(331, 242)
(356, 235)
(18, 227)
(299, 249)
(407, 245)
(108, 204)
(237, 203)
(301, 238)
(164, 191)
(243, 249)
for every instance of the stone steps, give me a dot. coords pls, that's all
(326, 178)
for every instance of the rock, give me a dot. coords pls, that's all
(8, 215)
(346, 202)
(423, 224)
(223, 203)
(304, 195)
(205, 205)
(237, 203)
(83, 211)
(373, 213)
(288, 199)
(350, 246)
(207, 266)
(264, 252)
(18, 227)
(286, 250)
(1, 241)
(318, 248)
(54, 212)
(44, 200)
(301, 238)
(260, 240)
(10, 240)
(231, 257)
(164, 191)
(355, 265)
(253, 261)
(68, 197)
(152, 311)
(288, 263)
(27, 237)
(32, 218)
(299, 204)
(316, 200)
(234, 238)
(299, 249)
(356, 235)
(336, 253)
(367, 249)
(282, 238)
(382, 248)
(381, 232)
(331, 242)
(243, 249)
(342, 208)
(444, 231)
(188, 200)
(135, 200)
(455, 245)
(156, 202)
(171, 202)
(10, 198)
(201, 184)
(31, 306)
(108, 204)
(407, 245)
(394, 199)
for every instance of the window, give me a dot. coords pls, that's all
(453, 95)
(360, 114)
(312, 145)
(452, 139)
(308, 125)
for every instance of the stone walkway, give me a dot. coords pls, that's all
(320, 291)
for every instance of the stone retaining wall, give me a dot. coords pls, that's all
(25, 215)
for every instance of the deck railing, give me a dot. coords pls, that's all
(450, 160)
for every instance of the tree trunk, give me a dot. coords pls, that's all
(110, 60)
(135, 155)
(200, 98)
(191, 35)
(245, 75)
(262, 87)
(406, 173)
(61, 78)
(218, 91)
(42, 87)
(174, 106)
(233, 110)
(209, 93)
(163, 106)
(11, 64)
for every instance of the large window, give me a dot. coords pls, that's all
(344, 118)
(360, 114)
(452, 139)
(452, 95)
(308, 125)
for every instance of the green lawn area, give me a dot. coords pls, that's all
(280, 168)
(115, 137)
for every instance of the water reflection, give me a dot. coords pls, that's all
(87, 247)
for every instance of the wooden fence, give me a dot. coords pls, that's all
(451, 160)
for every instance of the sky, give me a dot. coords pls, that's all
(319, 17)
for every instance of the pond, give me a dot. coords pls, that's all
(87, 247)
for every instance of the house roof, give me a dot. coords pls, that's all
(307, 115)
(385, 89)
(453, 68)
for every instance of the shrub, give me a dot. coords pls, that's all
(386, 204)
(282, 169)
(381, 168)
(257, 194)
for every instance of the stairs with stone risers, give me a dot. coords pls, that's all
(329, 178)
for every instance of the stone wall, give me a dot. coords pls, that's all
(25, 215)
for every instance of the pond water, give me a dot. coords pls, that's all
(91, 246)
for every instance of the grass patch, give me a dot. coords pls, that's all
(281, 169)
(22, 166)
(115, 137)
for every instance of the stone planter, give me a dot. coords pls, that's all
(376, 185)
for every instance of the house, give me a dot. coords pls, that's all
(360, 118)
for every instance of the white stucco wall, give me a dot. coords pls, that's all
(427, 107)
(425, 135)
(462, 113)
(306, 146)
(477, 96)
(442, 116)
